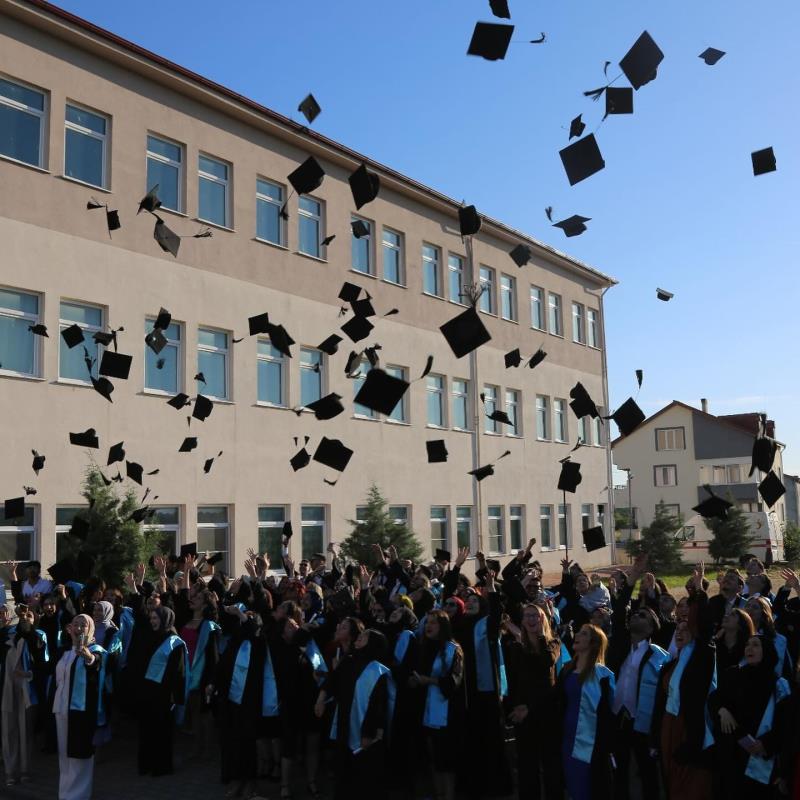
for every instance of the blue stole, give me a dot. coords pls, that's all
(158, 666)
(27, 661)
(436, 704)
(591, 692)
(401, 646)
(207, 627)
(421, 627)
(270, 706)
(363, 691)
(760, 769)
(563, 658)
(674, 689)
(77, 698)
(314, 657)
(780, 649)
(648, 685)
(240, 667)
(126, 623)
(483, 660)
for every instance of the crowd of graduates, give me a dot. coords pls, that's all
(413, 680)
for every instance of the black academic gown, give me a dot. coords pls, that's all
(81, 725)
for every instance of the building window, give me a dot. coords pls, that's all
(537, 308)
(17, 539)
(309, 216)
(673, 509)
(399, 515)
(560, 413)
(586, 516)
(578, 331)
(271, 383)
(430, 270)
(212, 361)
(490, 406)
(460, 392)
(487, 285)
(455, 279)
(735, 473)
(19, 348)
(563, 525)
(71, 364)
(718, 475)
(361, 248)
(512, 410)
(399, 412)
(495, 514)
(515, 527)
(584, 430)
(166, 523)
(435, 389)
(438, 528)
(361, 514)
(358, 409)
(213, 191)
(22, 114)
(601, 515)
(393, 256)
(212, 532)
(269, 222)
(165, 169)
(311, 366)
(312, 523)
(542, 417)
(463, 526)
(592, 329)
(64, 517)
(162, 372)
(546, 526)
(554, 308)
(85, 146)
(271, 520)
(508, 297)
(670, 439)
(667, 475)
(597, 425)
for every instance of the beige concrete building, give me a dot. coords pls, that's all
(86, 114)
(678, 450)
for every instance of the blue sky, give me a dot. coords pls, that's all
(677, 205)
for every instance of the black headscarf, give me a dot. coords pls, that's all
(376, 648)
(167, 617)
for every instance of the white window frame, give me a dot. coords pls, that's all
(555, 314)
(578, 323)
(319, 218)
(513, 410)
(437, 265)
(587, 517)
(61, 529)
(304, 523)
(666, 475)
(398, 248)
(369, 242)
(486, 283)
(543, 432)
(457, 397)
(310, 367)
(169, 162)
(174, 529)
(491, 403)
(176, 343)
(33, 319)
(455, 266)
(669, 437)
(90, 329)
(500, 518)
(225, 182)
(271, 201)
(207, 348)
(560, 422)
(469, 518)
(208, 526)
(508, 291)
(442, 543)
(593, 328)
(734, 473)
(270, 359)
(516, 513)
(397, 371)
(597, 432)
(101, 137)
(441, 392)
(585, 430)
(400, 520)
(548, 515)
(272, 525)
(567, 517)
(362, 412)
(538, 299)
(34, 112)
(716, 471)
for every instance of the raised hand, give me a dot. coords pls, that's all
(565, 564)
(792, 581)
(364, 576)
(140, 570)
(461, 556)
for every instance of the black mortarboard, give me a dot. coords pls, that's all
(112, 220)
(582, 159)
(499, 416)
(359, 228)
(163, 319)
(570, 477)
(619, 100)
(663, 294)
(328, 239)
(104, 387)
(309, 108)
(437, 451)
(640, 63)
(300, 459)
(327, 407)
(84, 566)
(39, 330)
(381, 392)
(141, 514)
(572, 226)
(156, 340)
(628, 417)
(167, 239)
(105, 337)
(15, 507)
(188, 444)
(363, 307)
(493, 564)
(764, 161)
(179, 401)
(134, 471)
(349, 292)
(259, 323)
(150, 201)
(188, 549)
(441, 555)
(581, 403)
(364, 185)
(332, 453)
(63, 571)
(287, 532)
(200, 377)
(771, 489)
(490, 40)
(521, 255)
(115, 365)
(482, 472)
(713, 506)
(72, 336)
(330, 345)
(513, 358)
(639, 377)
(499, 9)
(711, 55)
(280, 339)
(307, 177)
(79, 528)
(537, 358)
(214, 559)
(469, 220)
(764, 451)
(576, 127)
(465, 333)
(86, 439)
(116, 453)
(202, 407)
(38, 461)
(357, 328)
(209, 462)
(594, 539)
(353, 362)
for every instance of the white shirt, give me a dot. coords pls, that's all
(627, 688)
(41, 586)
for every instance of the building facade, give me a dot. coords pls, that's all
(85, 114)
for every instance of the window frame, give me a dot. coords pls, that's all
(516, 513)
(584, 430)
(508, 292)
(587, 515)
(488, 292)
(500, 519)
(226, 351)
(270, 201)
(62, 529)
(25, 316)
(402, 403)
(457, 397)
(593, 328)
(63, 324)
(441, 392)
(321, 371)
(398, 248)
(226, 183)
(437, 267)
(216, 526)
(271, 359)
(555, 315)
(179, 379)
(578, 323)
(560, 413)
(666, 431)
(369, 240)
(491, 403)
(269, 525)
(34, 112)
(319, 218)
(174, 529)
(32, 530)
(469, 519)
(181, 193)
(662, 472)
(541, 302)
(456, 266)
(565, 515)
(548, 515)
(313, 524)
(543, 431)
(362, 412)
(442, 542)
(513, 402)
(103, 138)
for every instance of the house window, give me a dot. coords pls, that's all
(670, 439)
(560, 413)
(438, 528)
(165, 169)
(309, 221)
(399, 515)
(586, 516)
(213, 191)
(430, 270)
(667, 475)
(592, 328)
(537, 308)
(85, 146)
(271, 520)
(563, 525)
(212, 532)
(597, 425)
(269, 222)
(361, 514)
(358, 409)
(460, 392)
(166, 524)
(673, 509)
(578, 332)
(601, 515)
(455, 272)
(515, 527)
(435, 389)
(271, 383)
(508, 297)
(64, 517)
(490, 406)
(19, 348)
(554, 308)
(361, 248)
(22, 115)
(399, 412)
(735, 473)
(512, 410)
(312, 523)
(542, 417)
(71, 364)
(392, 256)
(311, 366)
(487, 285)
(584, 430)
(17, 539)
(718, 475)
(162, 372)
(463, 526)
(495, 515)
(546, 526)
(212, 361)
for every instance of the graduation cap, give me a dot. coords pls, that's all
(163, 319)
(763, 162)
(15, 507)
(711, 55)
(156, 340)
(328, 239)
(364, 185)
(594, 539)
(581, 403)
(357, 328)
(115, 365)
(332, 453)
(200, 377)
(499, 9)
(572, 226)
(209, 462)
(713, 506)
(513, 358)
(441, 555)
(363, 307)
(112, 215)
(72, 336)
(287, 531)
(134, 471)
(359, 228)
(188, 549)
(167, 239)
(307, 177)
(639, 377)
(258, 324)
(582, 159)
(771, 489)
(280, 339)
(39, 330)
(179, 401)
(381, 392)
(150, 201)
(484, 472)
(105, 338)
(537, 358)
(79, 528)
(500, 416)
(141, 514)
(327, 407)
(619, 100)
(330, 345)
(469, 220)
(437, 451)
(628, 417)
(188, 444)
(570, 477)
(86, 439)
(576, 127)
(309, 108)
(38, 461)
(663, 294)
(640, 63)
(490, 40)
(29, 490)
(63, 571)
(427, 368)
(353, 362)
(465, 332)
(764, 451)
(202, 407)
(104, 387)
(521, 255)
(349, 292)
(300, 459)
(116, 453)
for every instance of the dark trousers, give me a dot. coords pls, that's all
(630, 741)
(538, 761)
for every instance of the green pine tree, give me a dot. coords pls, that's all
(378, 528)
(659, 543)
(730, 537)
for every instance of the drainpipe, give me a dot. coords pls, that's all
(477, 496)
(606, 404)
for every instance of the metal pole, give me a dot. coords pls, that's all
(630, 507)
